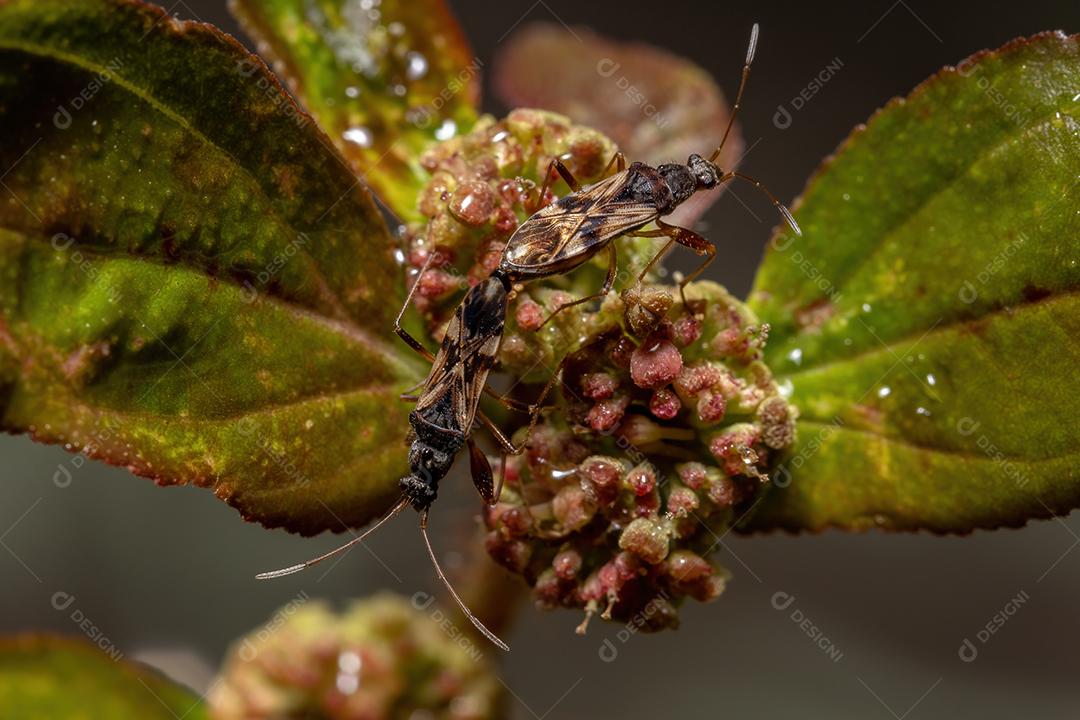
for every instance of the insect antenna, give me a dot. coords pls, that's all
(401, 505)
(742, 86)
(438, 571)
(788, 217)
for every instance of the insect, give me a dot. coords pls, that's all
(552, 241)
(565, 234)
(446, 408)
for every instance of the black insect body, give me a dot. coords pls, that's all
(567, 233)
(446, 408)
(448, 404)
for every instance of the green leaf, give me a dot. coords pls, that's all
(928, 320)
(192, 282)
(384, 79)
(44, 676)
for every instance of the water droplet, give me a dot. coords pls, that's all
(396, 29)
(931, 380)
(500, 136)
(446, 130)
(922, 411)
(847, 341)
(347, 684)
(866, 307)
(348, 678)
(846, 196)
(349, 662)
(400, 90)
(352, 91)
(417, 66)
(358, 136)
(786, 388)
(884, 391)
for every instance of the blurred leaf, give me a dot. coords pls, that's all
(192, 283)
(656, 106)
(384, 79)
(928, 321)
(44, 676)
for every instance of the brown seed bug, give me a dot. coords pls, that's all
(567, 233)
(446, 408)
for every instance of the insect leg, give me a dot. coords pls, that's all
(686, 238)
(567, 176)
(402, 332)
(508, 402)
(609, 281)
(536, 407)
(482, 476)
(655, 258)
(618, 161)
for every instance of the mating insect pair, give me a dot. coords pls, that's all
(553, 241)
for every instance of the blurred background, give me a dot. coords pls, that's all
(167, 574)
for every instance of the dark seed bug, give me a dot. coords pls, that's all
(567, 233)
(446, 408)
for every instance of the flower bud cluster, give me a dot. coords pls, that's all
(666, 420)
(385, 657)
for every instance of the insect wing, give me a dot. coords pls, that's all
(467, 355)
(566, 234)
(482, 318)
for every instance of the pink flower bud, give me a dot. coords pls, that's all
(567, 564)
(606, 414)
(641, 480)
(655, 363)
(600, 478)
(647, 538)
(711, 407)
(599, 386)
(572, 508)
(664, 404)
(686, 330)
(529, 315)
(473, 203)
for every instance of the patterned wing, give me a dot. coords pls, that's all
(459, 373)
(567, 233)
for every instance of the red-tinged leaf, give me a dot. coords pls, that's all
(383, 79)
(192, 282)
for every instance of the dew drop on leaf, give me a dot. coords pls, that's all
(360, 136)
(417, 66)
(446, 130)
